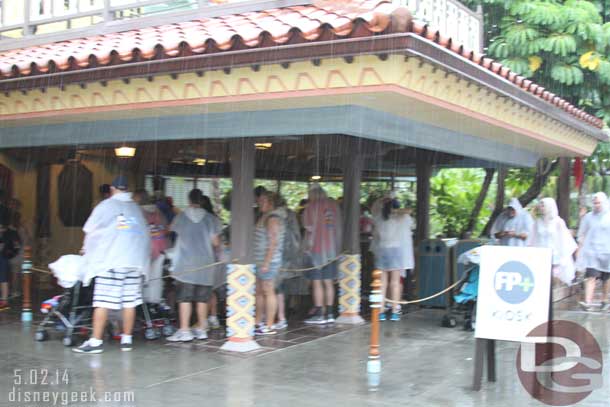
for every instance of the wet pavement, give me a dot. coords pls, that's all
(423, 365)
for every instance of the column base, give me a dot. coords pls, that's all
(373, 366)
(240, 346)
(350, 319)
(26, 316)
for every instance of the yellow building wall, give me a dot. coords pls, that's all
(63, 240)
(69, 240)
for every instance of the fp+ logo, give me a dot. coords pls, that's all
(514, 282)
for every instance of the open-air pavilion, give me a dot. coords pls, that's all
(346, 91)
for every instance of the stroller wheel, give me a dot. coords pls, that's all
(67, 341)
(167, 330)
(448, 322)
(41, 336)
(151, 334)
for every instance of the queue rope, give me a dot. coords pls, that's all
(207, 266)
(451, 287)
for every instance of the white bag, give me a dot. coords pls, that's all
(68, 270)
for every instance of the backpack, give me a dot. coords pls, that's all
(291, 254)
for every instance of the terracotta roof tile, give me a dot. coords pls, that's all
(275, 27)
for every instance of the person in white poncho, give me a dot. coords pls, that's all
(197, 236)
(551, 231)
(393, 249)
(514, 225)
(594, 249)
(116, 252)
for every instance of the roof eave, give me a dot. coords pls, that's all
(407, 43)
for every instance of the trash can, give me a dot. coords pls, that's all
(434, 271)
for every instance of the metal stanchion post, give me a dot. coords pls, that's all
(26, 275)
(374, 363)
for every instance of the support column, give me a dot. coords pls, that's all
(350, 263)
(563, 190)
(423, 172)
(241, 280)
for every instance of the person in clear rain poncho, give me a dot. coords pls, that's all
(197, 236)
(116, 251)
(594, 250)
(393, 249)
(551, 231)
(514, 225)
(323, 225)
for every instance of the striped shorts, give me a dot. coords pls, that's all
(117, 289)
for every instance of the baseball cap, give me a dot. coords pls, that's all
(120, 182)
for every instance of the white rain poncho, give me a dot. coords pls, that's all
(594, 238)
(196, 230)
(521, 223)
(551, 231)
(395, 232)
(116, 236)
(68, 270)
(323, 227)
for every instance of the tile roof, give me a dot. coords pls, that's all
(290, 25)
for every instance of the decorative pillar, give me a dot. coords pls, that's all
(374, 363)
(349, 289)
(241, 275)
(350, 264)
(26, 275)
(241, 283)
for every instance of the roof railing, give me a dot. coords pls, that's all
(26, 23)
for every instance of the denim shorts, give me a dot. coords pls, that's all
(324, 272)
(597, 274)
(186, 292)
(389, 258)
(5, 266)
(271, 274)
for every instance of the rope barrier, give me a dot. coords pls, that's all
(452, 286)
(207, 266)
(313, 267)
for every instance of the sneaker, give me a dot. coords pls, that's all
(213, 322)
(395, 316)
(200, 334)
(264, 330)
(126, 346)
(282, 324)
(181, 336)
(604, 307)
(4, 305)
(86, 347)
(315, 320)
(382, 316)
(585, 306)
(330, 319)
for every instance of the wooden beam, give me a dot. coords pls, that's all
(423, 171)
(563, 190)
(352, 176)
(242, 199)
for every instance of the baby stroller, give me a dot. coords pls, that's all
(155, 314)
(69, 313)
(466, 297)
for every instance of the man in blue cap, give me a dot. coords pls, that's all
(116, 252)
